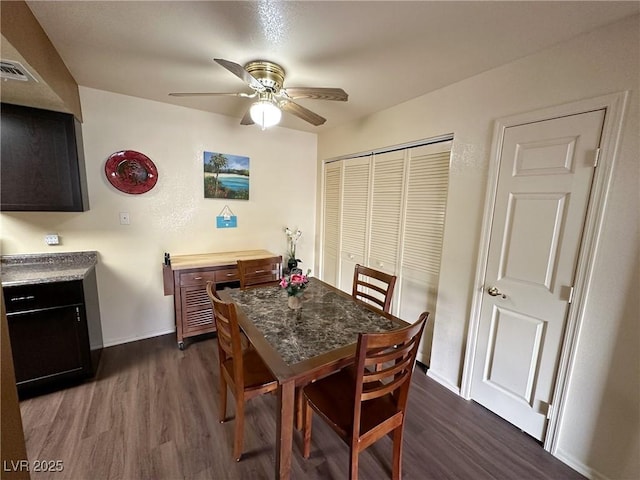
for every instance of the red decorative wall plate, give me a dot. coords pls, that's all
(131, 172)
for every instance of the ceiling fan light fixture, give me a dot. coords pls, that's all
(265, 113)
(266, 79)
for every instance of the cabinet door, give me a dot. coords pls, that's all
(47, 344)
(197, 315)
(42, 166)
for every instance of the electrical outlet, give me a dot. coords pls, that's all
(52, 239)
(124, 218)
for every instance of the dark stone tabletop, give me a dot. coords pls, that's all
(326, 321)
(45, 267)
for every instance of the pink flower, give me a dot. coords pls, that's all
(283, 282)
(298, 279)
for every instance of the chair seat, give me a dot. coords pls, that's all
(333, 396)
(256, 373)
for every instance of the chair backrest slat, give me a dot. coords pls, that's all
(384, 374)
(383, 390)
(383, 356)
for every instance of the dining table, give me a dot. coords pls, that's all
(302, 345)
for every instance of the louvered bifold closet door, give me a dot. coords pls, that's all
(428, 180)
(425, 208)
(331, 221)
(386, 210)
(355, 214)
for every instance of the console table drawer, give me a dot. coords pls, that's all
(227, 275)
(197, 278)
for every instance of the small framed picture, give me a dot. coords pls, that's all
(226, 176)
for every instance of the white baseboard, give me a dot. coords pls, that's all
(119, 341)
(579, 467)
(443, 381)
(422, 358)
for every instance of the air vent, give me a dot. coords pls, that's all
(11, 70)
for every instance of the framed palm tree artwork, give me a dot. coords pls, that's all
(226, 176)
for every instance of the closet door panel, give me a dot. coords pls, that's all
(331, 221)
(425, 208)
(386, 210)
(355, 214)
(426, 202)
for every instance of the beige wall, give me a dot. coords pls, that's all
(172, 217)
(601, 429)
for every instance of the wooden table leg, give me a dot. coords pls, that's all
(284, 433)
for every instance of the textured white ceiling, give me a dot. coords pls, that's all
(381, 53)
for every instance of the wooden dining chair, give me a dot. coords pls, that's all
(260, 271)
(242, 370)
(363, 404)
(373, 287)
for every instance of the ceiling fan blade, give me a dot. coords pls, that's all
(317, 93)
(241, 73)
(303, 113)
(209, 94)
(247, 120)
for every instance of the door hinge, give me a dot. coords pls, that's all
(596, 157)
(549, 411)
(78, 314)
(571, 289)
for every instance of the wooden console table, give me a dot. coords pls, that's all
(186, 279)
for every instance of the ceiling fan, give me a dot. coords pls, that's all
(266, 79)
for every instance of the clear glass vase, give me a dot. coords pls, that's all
(294, 302)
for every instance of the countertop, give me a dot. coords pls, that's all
(182, 262)
(36, 268)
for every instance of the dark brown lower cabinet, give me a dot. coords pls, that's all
(55, 333)
(48, 344)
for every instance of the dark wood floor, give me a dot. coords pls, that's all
(151, 413)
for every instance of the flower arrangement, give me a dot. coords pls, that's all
(292, 241)
(295, 283)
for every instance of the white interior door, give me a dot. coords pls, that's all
(544, 182)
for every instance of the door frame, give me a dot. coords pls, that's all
(615, 105)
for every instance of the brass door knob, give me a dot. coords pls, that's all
(494, 292)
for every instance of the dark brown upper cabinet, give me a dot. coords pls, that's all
(42, 164)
